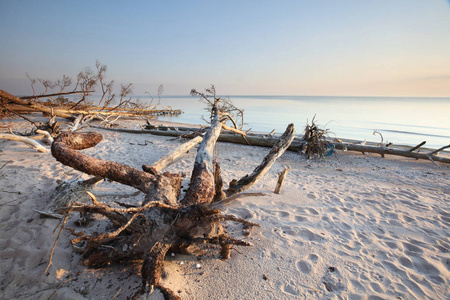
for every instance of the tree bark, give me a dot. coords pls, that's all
(201, 188)
(64, 150)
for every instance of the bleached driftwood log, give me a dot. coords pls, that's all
(25, 140)
(46, 137)
(297, 144)
(238, 186)
(281, 177)
(163, 221)
(167, 159)
(253, 139)
(383, 151)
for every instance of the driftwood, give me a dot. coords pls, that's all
(25, 140)
(33, 106)
(21, 104)
(383, 151)
(172, 156)
(297, 145)
(163, 222)
(281, 177)
(253, 139)
(238, 186)
(45, 136)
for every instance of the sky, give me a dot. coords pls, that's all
(301, 47)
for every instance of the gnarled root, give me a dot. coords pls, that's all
(163, 221)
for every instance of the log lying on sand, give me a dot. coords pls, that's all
(297, 145)
(163, 222)
(383, 151)
(253, 139)
(25, 140)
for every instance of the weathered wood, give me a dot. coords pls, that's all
(253, 139)
(64, 150)
(417, 147)
(34, 106)
(297, 144)
(68, 192)
(281, 177)
(55, 94)
(201, 188)
(25, 140)
(167, 159)
(46, 137)
(238, 186)
(384, 151)
(67, 113)
(148, 231)
(438, 150)
(218, 183)
(152, 266)
(234, 130)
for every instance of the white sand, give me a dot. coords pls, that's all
(351, 227)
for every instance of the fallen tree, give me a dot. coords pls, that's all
(163, 222)
(106, 108)
(432, 155)
(66, 112)
(299, 144)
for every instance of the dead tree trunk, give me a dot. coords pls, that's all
(67, 113)
(33, 106)
(383, 151)
(163, 221)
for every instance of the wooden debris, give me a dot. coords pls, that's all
(167, 159)
(297, 145)
(383, 151)
(238, 186)
(281, 177)
(68, 112)
(25, 140)
(163, 222)
(417, 147)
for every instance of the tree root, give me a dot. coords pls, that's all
(163, 221)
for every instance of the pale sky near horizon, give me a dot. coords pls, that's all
(343, 48)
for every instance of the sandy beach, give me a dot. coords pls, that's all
(352, 226)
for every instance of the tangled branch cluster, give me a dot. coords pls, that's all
(316, 140)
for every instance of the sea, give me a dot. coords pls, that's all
(399, 120)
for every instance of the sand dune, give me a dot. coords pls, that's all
(351, 227)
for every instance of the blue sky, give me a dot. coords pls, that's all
(346, 47)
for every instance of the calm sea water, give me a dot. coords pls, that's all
(402, 121)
